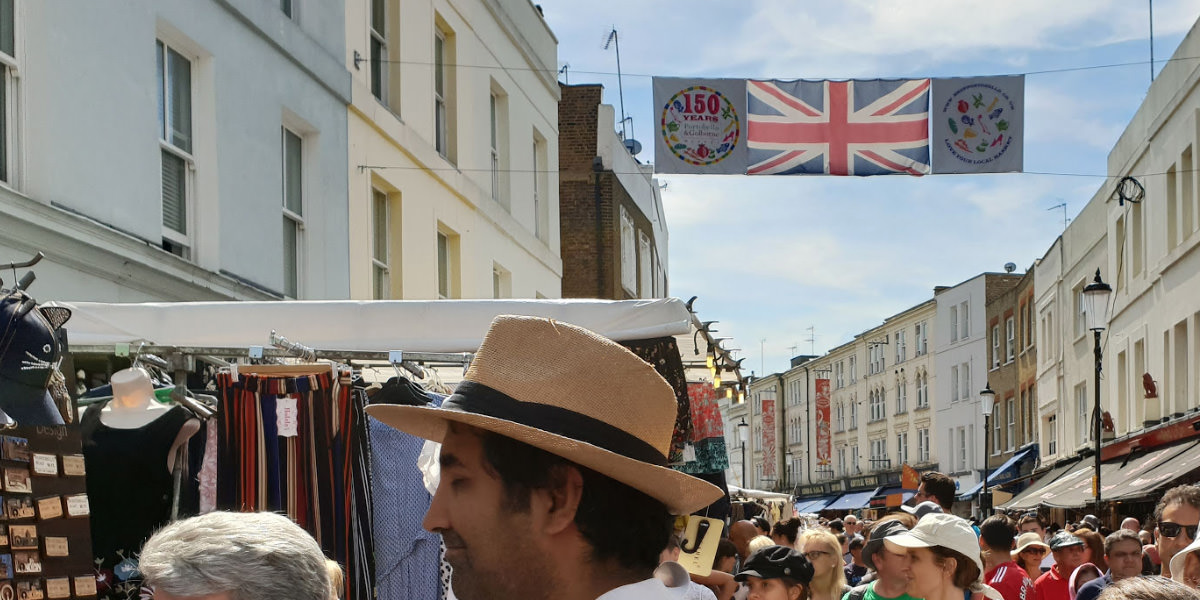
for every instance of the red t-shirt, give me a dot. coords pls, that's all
(1052, 586)
(1011, 581)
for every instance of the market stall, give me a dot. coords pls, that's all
(260, 406)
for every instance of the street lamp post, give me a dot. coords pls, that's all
(1095, 298)
(987, 399)
(742, 427)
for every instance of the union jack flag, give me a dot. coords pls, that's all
(864, 127)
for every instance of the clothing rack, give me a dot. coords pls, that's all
(176, 355)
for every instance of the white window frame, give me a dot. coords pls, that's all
(901, 397)
(953, 324)
(628, 253)
(1012, 423)
(997, 427)
(922, 334)
(377, 70)
(294, 218)
(964, 374)
(995, 346)
(288, 7)
(381, 267)
(494, 130)
(840, 414)
(853, 413)
(964, 322)
(954, 383)
(922, 446)
(901, 347)
(962, 449)
(1010, 326)
(902, 448)
(445, 269)
(1052, 433)
(853, 369)
(9, 78)
(645, 254)
(185, 240)
(1084, 408)
(440, 116)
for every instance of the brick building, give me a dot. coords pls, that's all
(613, 229)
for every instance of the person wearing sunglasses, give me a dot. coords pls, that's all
(822, 549)
(1030, 553)
(1177, 515)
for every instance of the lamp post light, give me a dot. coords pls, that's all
(742, 427)
(987, 399)
(1095, 305)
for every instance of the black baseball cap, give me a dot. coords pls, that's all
(774, 562)
(878, 533)
(1064, 539)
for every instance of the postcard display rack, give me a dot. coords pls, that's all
(45, 535)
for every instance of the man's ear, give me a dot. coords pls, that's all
(556, 505)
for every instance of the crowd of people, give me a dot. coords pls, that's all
(924, 552)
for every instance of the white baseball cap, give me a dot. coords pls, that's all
(940, 529)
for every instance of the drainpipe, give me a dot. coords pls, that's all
(597, 169)
(808, 421)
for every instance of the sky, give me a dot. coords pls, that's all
(770, 257)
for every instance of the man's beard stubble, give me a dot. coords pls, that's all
(501, 569)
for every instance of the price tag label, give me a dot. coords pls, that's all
(287, 417)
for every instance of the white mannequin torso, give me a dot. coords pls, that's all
(133, 406)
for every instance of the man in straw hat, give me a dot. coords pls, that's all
(553, 467)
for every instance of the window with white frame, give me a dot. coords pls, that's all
(853, 412)
(995, 346)
(440, 108)
(839, 373)
(841, 461)
(954, 383)
(962, 449)
(644, 275)
(541, 188)
(922, 336)
(175, 143)
(879, 454)
(1083, 411)
(953, 323)
(964, 321)
(501, 281)
(1012, 424)
(902, 448)
(901, 397)
(854, 458)
(494, 130)
(499, 153)
(287, 8)
(1052, 435)
(379, 49)
(1080, 310)
(964, 375)
(293, 212)
(901, 347)
(1010, 328)
(878, 405)
(628, 253)
(9, 71)
(922, 390)
(840, 416)
(853, 369)
(381, 261)
(922, 446)
(448, 263)
(997, 424)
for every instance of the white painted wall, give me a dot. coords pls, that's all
(392, 147)
(87, 96)
(972, 352)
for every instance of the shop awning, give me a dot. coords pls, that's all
(1074, 490)
(1155, 471)
(348, 325)
(814, 505)
(1004, 473)
(891, 497)
(1027, 499)
(853, 500)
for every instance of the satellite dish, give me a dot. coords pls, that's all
(1010, 267)
(634, 146)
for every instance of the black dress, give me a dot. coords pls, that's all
(129, 492)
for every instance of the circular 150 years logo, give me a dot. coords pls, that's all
(978, 123)
(700, 126)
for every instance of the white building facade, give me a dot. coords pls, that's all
(453, 135)
(206, 144)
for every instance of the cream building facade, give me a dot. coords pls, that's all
(453, 128)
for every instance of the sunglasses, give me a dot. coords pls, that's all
(1038, 550)
(1172, 530)
(813, 554)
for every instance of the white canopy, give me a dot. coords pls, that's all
(761, 495)
(374, 326)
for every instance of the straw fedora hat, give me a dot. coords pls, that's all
(574, 394)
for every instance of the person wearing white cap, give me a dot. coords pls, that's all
(945, 559)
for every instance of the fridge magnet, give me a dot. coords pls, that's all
(77, 506)
(73, 466)
(45, 464)
(17, 480)
(59, 587)
(14, 448)
(30, 589)
(27, 562)
(23, 537)
(57, 546)
(49, 508)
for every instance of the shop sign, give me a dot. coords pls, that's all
(837, 486)
(811, 490)
(865, 481)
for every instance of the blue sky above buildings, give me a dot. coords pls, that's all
(772, 256)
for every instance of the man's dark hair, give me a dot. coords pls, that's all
(1183, 494)
(941, 487)
(997, 532)
(761, 523)
(856, 542)
(841, 538)
(837, 526)
(725, 549)
(1118, 536)
(645, 522)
